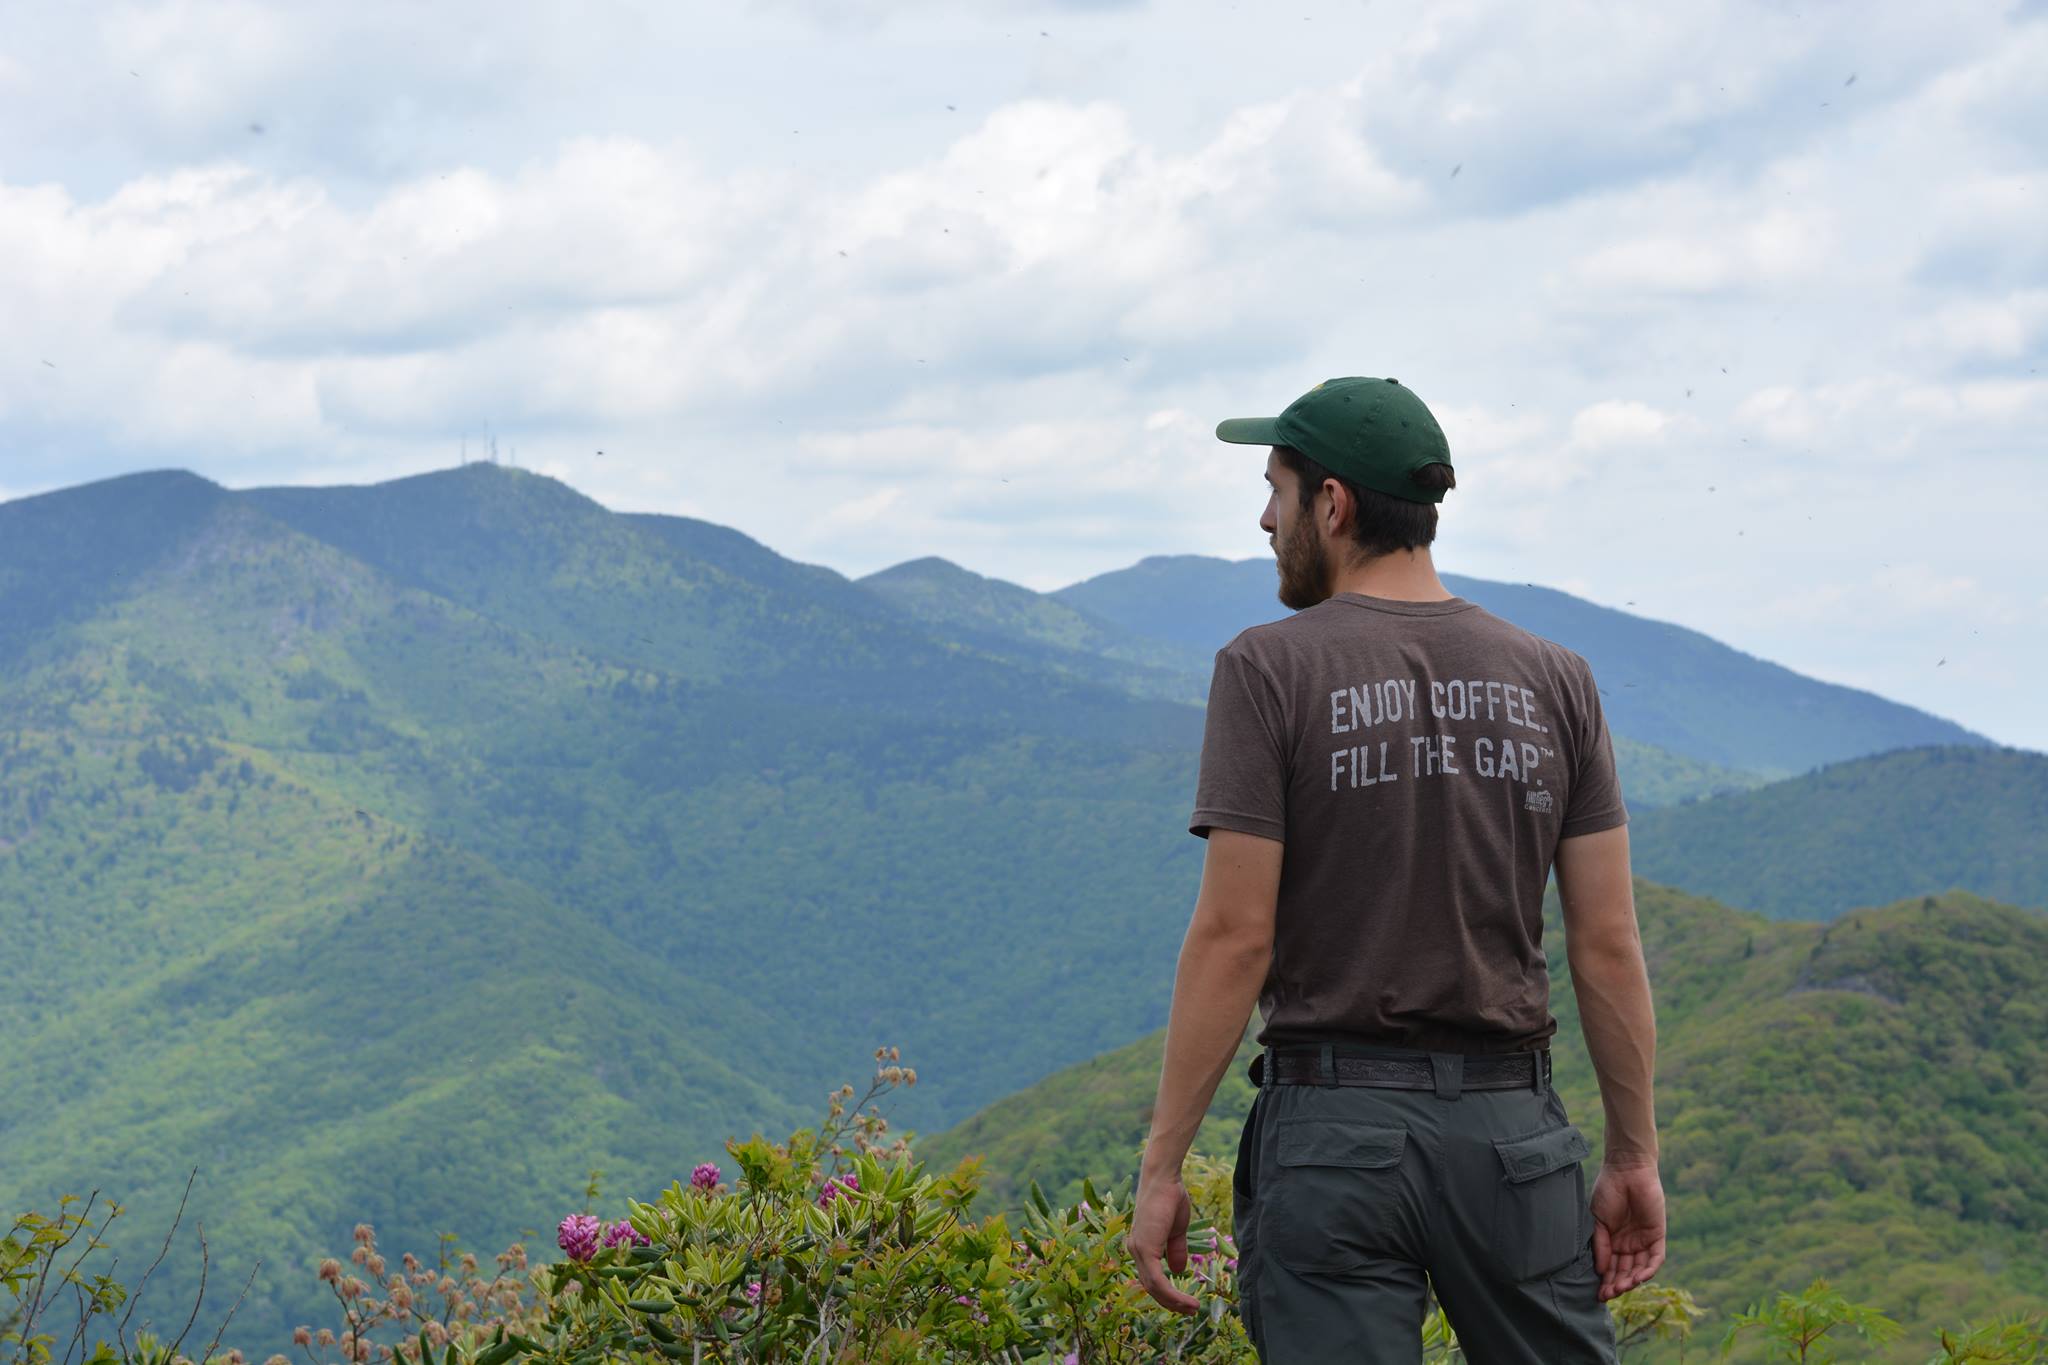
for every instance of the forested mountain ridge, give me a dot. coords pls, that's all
(307, 869)
(1855, 833)
(1006, 617)
(1865, 1100)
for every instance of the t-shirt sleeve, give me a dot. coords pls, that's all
(1243, 782)
(1596, 788)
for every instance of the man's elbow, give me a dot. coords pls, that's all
(1605, 954)
(1232, 937)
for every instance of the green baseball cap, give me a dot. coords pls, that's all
(1375, 432)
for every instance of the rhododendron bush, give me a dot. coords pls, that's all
(832, 1246)
(837, 1246)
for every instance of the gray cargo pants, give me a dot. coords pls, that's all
(1350, 1202)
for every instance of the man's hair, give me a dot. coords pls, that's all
(1383, 524)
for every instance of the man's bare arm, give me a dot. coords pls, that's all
(1605, 950)
(1223, 963)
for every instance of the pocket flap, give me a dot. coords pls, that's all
(1338, 1142)
(1541, 1153)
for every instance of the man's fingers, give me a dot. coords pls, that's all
(1161, 1289)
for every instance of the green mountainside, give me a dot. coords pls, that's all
(337, 885)
(1854, 833)
(1662, 684)
(1865, 1100)
(1652, 777)
(338, 1020)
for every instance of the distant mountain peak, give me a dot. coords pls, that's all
(925, 569)
(140, 483)
(479, 475)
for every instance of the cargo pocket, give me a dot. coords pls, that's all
(1334, 1199)
(1241, 1192)
(1540, 1211)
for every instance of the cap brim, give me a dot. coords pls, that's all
(1250, 431)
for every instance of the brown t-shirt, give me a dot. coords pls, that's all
(1420, 760)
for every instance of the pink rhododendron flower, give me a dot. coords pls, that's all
(624, 1231)
(704, 1177)
(578, 1236)
(833, 1186)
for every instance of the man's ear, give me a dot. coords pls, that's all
(1339, 496)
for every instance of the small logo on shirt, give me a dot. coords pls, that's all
(1535, 800)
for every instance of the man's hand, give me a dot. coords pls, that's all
(1159, 1227)
(1628, 1226)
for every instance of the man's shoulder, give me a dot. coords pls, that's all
(1563, 656)
(1262, 636)
(1273, 646)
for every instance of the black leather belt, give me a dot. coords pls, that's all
(1313, 1065)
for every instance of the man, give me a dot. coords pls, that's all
(1387, 777)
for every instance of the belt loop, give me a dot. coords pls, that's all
(1326, 1065)
(1450, 1074)
(1539, 1065)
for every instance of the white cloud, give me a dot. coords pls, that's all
(1890, 416)
(1618, 423)
(1476, 433)
(2001, 328)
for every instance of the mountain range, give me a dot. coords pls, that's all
(402, 852)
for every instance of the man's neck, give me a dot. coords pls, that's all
(1409, 576)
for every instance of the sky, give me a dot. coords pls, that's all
(1735, 315)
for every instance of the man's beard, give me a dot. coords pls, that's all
(1304, 566)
